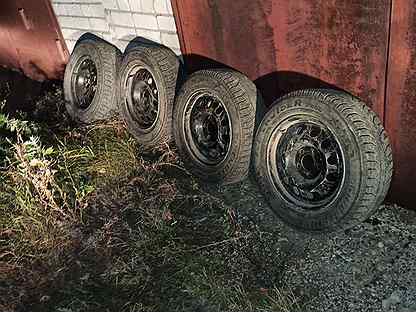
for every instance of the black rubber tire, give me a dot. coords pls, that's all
(368, 163)
(241, 98)
(383, 143)
(107, 60)
(164, 65)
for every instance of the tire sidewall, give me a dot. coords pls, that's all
(327, 216)
(134, 58)
(88, 49)
(195, 85)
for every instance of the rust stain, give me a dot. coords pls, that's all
(288, 45)
(341, 44)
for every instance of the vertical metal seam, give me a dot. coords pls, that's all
(388, 56)
(179, 26)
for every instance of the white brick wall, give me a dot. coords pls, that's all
(118, 21)
(145, 21)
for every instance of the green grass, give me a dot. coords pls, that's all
(92, 221)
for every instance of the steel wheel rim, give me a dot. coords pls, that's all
(142, 97)
(208, 130)
(306, 163)
(84, 82)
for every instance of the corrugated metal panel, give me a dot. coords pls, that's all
(30, 39)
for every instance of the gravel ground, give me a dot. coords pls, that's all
(371, 267)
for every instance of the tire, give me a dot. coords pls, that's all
(214, 120)
(105, 58)
(322, 160)
(383, 143)
(154, 71)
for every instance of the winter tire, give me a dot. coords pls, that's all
(322, 160)
(90, 83)
(214, 121)
(149, 76)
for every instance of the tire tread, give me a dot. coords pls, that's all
(375, 151)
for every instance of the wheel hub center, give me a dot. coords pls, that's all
(305, 165)
(142, 98)
(141, 93)
(210, 129)
(206, 128)
(309, 163)
(85, 83)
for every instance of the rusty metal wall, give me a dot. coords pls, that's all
(288, 45)
(401, 100)
(31, 40)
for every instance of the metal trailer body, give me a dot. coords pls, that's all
(365, 47)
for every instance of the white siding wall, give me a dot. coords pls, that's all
(118, 21)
